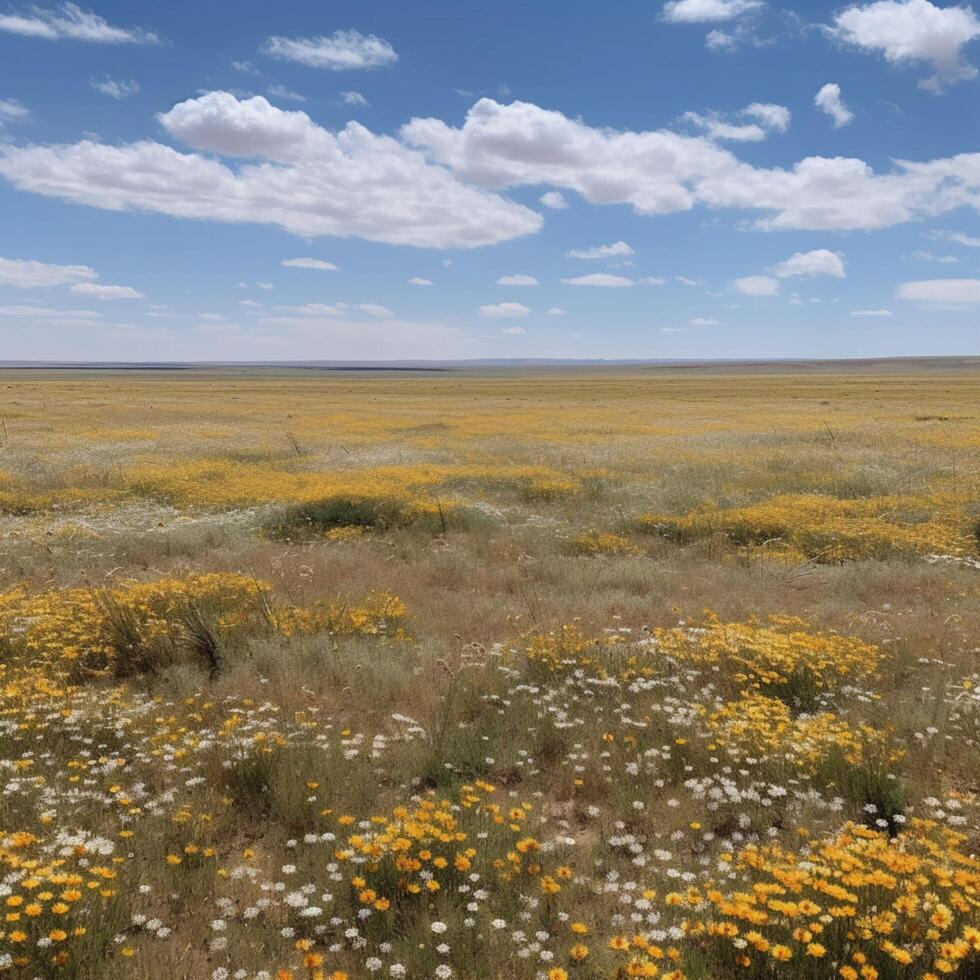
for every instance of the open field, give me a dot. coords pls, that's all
(525, 674)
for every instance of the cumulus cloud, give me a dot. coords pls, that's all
(517, 280)
(98, 291)
(828, 100)
(115, 89)
(439, 186)
(340, 51)
(504, 310)
(599, 279)
(70, 22)
(944, 291)
(616, 249)
(306, 263)
(659, 172)
(910, 31)
(419, 281)
(354, 98)
(768, 118)
(706, 11)
(871, 312)
(349, 184)
(28, 274)
(703, 321)
(553, 200)
(818, 262)
(502, 146)
(513, 330)
(556, 311)
(757, 285)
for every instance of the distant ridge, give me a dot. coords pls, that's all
(943, 362)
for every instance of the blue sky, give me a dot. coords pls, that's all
(703, 178)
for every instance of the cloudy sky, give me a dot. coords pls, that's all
(351, 180)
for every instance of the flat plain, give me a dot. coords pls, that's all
(491, 673)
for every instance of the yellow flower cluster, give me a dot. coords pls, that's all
(379, 612)
(224, 483)
(829, 529)
(875, 904)
(48, 901)
(756, 725)
(781, 653)
(87, 626)
(98, 630)
(771, 656)
(594, 543)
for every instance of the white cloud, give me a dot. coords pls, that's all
(757, 285)
(354, 183)
(265, 285)
(828, 100)
(509, 145)
(349, 184)
(961, 238)
(769, 118)
(513, 330)
(281, 92)
(419, 281)
(553, 200)
(598, 279)
(307, 263)
(651, 281)
(908, 31)
(661, 172)
(556, 311)
(354, 98)
(71, 22)
(704, 321)
(601, 251)
(720, 41)
(818, 262)
(98, 291)
(504, 310)
(871, 312)
(685, 281)
(923, 256)
(41, 312)
(944, 291)
(115, 89)
(10, 110)
(706, 11)
(341, 51)
(375, 309)
(315, 309)
(517, 280)
(28, 274)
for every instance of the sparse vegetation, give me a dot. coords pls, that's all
(559, 676)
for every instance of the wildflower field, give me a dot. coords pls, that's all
(537, 675)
